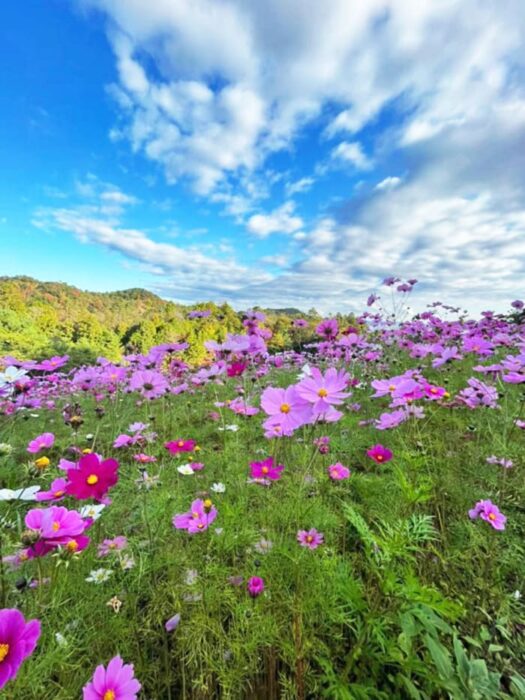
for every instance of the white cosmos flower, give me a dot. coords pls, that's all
(99, 575)
(185, 469)
(233, 427)
(218, 487)
(27, 494)
(93, 511)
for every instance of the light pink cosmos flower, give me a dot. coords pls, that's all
(285, 408)
(486, 510)
(338, 472)
(324, 392)
(150, 383)
(117, 682)
(42, 442)
(310, 538)
(109, 546)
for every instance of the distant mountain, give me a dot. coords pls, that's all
(39, 319)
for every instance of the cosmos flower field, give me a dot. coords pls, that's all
(343, 520)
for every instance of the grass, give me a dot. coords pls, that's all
(406, 598)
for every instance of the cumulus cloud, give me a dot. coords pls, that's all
(210, 91)
(281, 220)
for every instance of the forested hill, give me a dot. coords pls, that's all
(39, 319)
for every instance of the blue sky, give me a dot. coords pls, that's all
(281, 153)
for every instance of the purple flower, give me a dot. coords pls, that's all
(114, 545)
(255, 586)
(18, 640)
(310, 538)
(328, 329)
(172, 623)
(151, 384)
(56, 492)
(386, 421)
(486, 510)
(379, 454)
(117, 682)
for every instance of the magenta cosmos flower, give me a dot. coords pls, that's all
(93, 478)
(285, 408)
(117, 682)
(310, 538)
(486, 510)
(324, 392)
(198, 518)
(176, 446)
(379, 454)
(255, 586)
(109, 546)
(338, 472)
(56, 527)
(18, 640)
(42, 442)
(266, 470)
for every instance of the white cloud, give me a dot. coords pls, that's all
(351, 152)
(281, 220)
(210, 89)
(389, 183)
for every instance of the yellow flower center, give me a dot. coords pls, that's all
(180, 443)
(492, 516)
(433, 390)
(309, 539)
(322, 393)
(112, 545)
(92, 479)
(200, 526)
(42, 462)
(87, 451)
(285, 408)
(392, 387)
(58, 494)
(109, 695)
(207, 503)
(72, 546)
(4, 651)
(265, 470)
(379, 458)
(55, 526)
(195, 515)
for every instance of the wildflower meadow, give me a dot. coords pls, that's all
(342, 519)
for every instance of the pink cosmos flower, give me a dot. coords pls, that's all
(93, 478)
(44, 441)
(379, 454)
(18, 640)
(56, 492)
(266, 470)
(56, 527)
(176, 446)
(198, 518)
(386, 421)
(285, 408)
(324, 392)
(338, 472)
(255, 586)
(150, 383)
(109, 546)
(328, 329)
(117, 682)
(486, 510)
(310, 538)
(144, 459)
